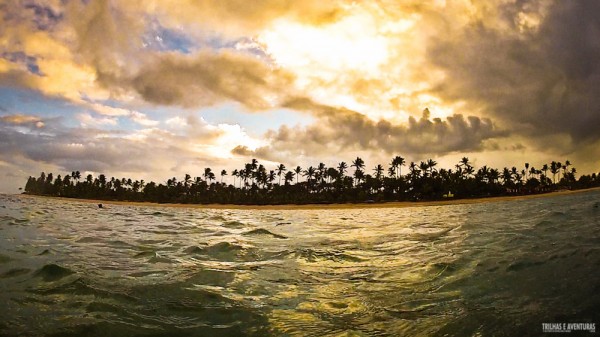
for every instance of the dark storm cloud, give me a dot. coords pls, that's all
(206, 78)
(540, 80)
(342, 129)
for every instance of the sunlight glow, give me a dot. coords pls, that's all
(350, 44)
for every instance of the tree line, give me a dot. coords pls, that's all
(345, 183)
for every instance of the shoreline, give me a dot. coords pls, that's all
(391, 204)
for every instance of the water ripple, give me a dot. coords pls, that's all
(67, 268)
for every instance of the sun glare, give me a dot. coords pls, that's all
(350, 44)
(363, 62)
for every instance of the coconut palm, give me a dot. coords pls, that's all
(289, 176)
(235, 174)
(397, 163)
(378, 171)
(554, 169)
(358, 165)
(309, 173)
(298, 171)
(280, 169)
(431, 164)
(342, 167)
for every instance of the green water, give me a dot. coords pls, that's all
(493, 269)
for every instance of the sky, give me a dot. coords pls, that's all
(154, 89)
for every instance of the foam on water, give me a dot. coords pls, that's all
(68, 268)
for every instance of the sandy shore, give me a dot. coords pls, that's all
(395, 204)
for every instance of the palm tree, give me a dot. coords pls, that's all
(261, 175)
(248, 173)
(332, 174)
(392, 171)
(397, 163)
(271, 177)
(102, 180)
(507, 176)
(566, 167)
(280, 169)
(431, 164)
(493, 175)
(414, 170)
(483, 174)
(76, 175)
(235, 174)
(187, 180)
(424, 168)
(298, 171)
(532, 172)
(223, 173)
(321, 171)
(136, 186)
(358, 164)
(359, 175)
(309, 173)
(554, 168)
(342, 167)
(289, 176)
(207, 173)
(378, 171)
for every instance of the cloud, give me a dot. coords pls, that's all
(148, 153)
(19, 119)
(110, 38)
(207, 78)
(112, 112)
(242, 18)
(88, 120)
(533, 67)
(363, 71)
(142, 119)
(344, 131)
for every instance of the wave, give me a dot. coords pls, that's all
(193, 250)
(233, 224)
(145, 254)
(89, 239)
(82, 286)
(53, 272)
(15, 272)
(5, 259)
(19, 222)
(223, 247)
(262, 231)
(316, 255)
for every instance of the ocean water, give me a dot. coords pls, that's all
(492, 269)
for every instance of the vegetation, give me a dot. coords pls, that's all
(254, 184)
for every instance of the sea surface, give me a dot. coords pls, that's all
(68, 268)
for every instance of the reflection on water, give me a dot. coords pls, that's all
(68, 268)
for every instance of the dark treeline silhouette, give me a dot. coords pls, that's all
(255, 184)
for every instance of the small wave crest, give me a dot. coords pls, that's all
(262, 231)
(53, 272)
